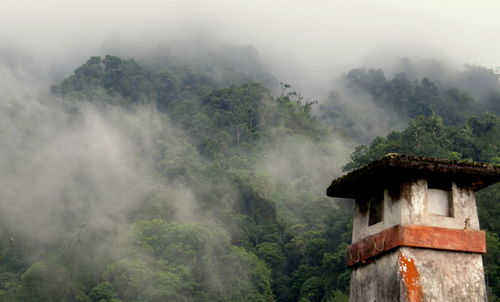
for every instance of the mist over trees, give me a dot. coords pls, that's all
(201, 178)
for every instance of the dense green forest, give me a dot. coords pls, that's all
(230, 204)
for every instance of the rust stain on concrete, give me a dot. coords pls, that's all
(410, 278)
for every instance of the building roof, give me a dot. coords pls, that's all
(396, 168)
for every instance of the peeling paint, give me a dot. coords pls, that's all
(410, 278)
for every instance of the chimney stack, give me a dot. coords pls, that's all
(416, 230)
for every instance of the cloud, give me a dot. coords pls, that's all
(306, 44)
(317, 39)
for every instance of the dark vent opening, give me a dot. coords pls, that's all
(376, 204)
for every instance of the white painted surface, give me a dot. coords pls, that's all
(438, 202)
(418, 205)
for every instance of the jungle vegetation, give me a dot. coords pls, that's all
(256, 235)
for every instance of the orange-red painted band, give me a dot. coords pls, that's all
(471, 241)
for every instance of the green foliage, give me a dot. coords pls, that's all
(272, 254)
(174, 244)
(492, 265)
(412, 98)
(337, 296)
(135, 280)
(428, 136)
(10, 288)
(103, 291)
(45, 281)
(217, 223)
(184, 262)
(112, 76)
(311, 290)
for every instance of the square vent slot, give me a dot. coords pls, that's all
(439, 199)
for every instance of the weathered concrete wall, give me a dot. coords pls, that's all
(418, 274)
(446, 276)
(412, 274)
(415, 210)
(377, 281)
(410, 207)
(391, 217)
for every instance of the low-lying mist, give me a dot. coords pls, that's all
(186, 171)
(98, 187)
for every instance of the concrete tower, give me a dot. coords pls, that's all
(416, 231)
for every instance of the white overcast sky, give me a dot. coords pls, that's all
(316, 36)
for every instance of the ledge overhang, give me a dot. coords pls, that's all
(396, 168)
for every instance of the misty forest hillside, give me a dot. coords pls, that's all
(178, 180)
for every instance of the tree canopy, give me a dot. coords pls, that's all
(234, 206)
